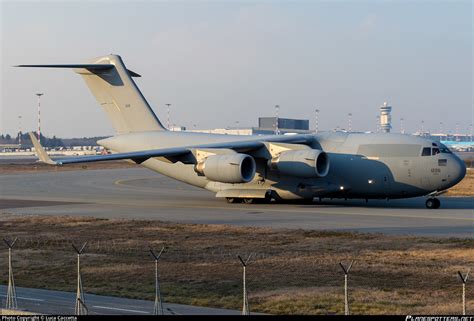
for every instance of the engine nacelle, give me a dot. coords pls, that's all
(304, 163)
(227, 168)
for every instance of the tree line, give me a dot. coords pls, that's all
(50, 142)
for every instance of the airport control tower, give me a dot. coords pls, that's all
(385, 118)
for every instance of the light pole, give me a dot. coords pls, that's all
(168, 113)
(316, 121)
(39, 116)
(350, 122)
(277, 109)
(19, 130)
(402, 130)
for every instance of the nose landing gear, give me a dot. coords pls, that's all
(432, 203)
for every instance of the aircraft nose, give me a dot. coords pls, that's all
(457, 171)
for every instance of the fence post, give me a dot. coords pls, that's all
(464, 280)
(346, 296)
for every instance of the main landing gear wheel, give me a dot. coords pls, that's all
(432, 203)
(248, 200)
(232, 200)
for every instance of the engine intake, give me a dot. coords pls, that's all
(228, 168)
(304, 163)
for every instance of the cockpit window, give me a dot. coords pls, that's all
(427, 151)
(444, 149)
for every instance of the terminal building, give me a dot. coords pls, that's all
(266, 126)
(270, 125)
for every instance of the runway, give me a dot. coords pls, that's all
(59, 302)
(142, 194)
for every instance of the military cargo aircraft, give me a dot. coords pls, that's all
(247, 169)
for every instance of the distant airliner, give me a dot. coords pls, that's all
(263, 168)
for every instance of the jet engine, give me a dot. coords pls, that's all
(304, 163)
(227, 168)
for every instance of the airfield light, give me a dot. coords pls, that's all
(346, 297)
(245, 308)
(39, 116)
(158, 307)
(341, 188)
(464, 280)
(11, 292)
(80, 308)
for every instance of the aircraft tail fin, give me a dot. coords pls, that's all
(116, 92)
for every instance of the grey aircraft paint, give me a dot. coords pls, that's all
(363, 166)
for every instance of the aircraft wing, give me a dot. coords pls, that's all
(141, 156)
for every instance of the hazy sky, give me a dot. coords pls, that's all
(220, 62)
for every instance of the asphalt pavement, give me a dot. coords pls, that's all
(59, 302)
(142, 194)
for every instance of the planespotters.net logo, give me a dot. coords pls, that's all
(438, 318)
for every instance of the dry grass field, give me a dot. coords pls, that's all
(292, 271)
(465, 187)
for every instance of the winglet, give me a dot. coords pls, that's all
(40, 152)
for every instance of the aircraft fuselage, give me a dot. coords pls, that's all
(366, 166)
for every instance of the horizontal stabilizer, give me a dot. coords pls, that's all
(116, 92)
(90, 67)
(85, 66)
(133, 74)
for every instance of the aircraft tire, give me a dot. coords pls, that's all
(266, 200)
(432, 203)
(248, 200)
(232, 200)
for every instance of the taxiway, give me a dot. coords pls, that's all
(142, 194)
